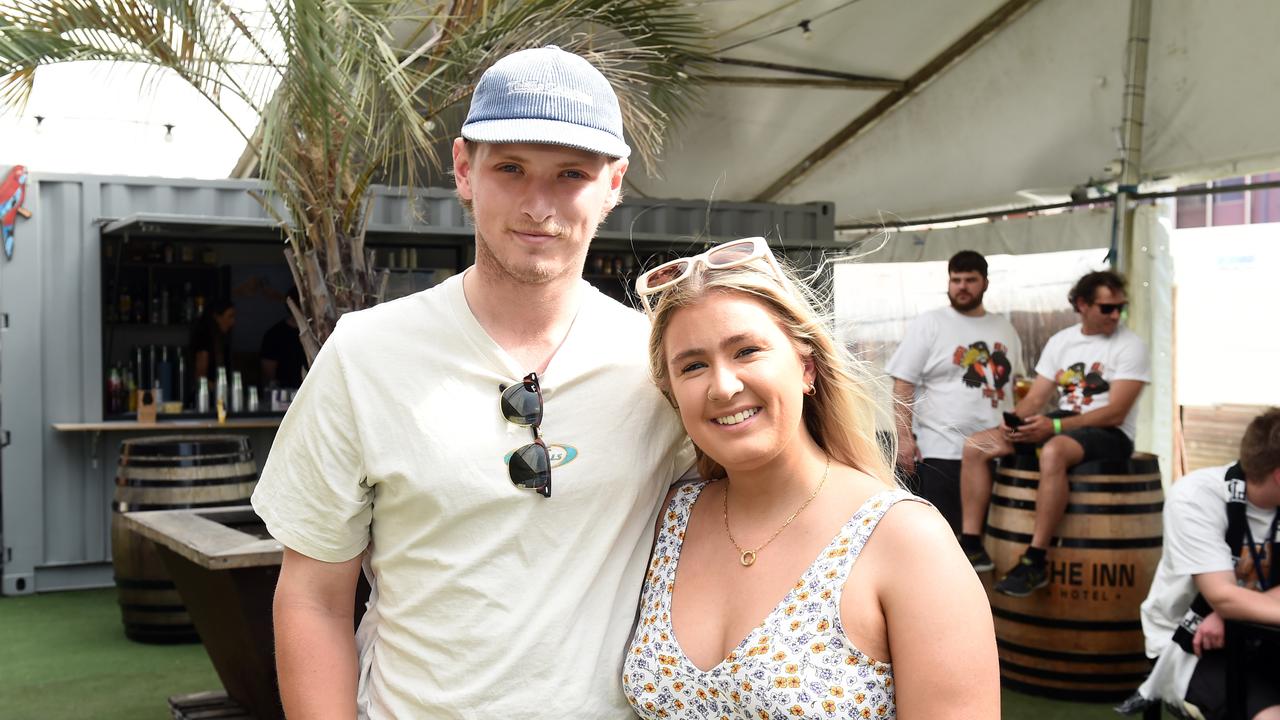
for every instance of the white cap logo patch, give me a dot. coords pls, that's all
(539, 87)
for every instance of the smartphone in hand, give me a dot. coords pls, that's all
(1012, 420)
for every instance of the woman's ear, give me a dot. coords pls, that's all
(810, 368)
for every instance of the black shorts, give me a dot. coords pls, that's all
(1207, 689)
(1099, 443)
(938, 481)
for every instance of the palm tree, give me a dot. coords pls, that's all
(351, 92)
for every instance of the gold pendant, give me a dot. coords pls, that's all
(748, 558)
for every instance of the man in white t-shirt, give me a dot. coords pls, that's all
(952, 376)
(1201, 581)
(1097, 368)
(491, 450)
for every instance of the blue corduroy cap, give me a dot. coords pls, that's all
(546, 95)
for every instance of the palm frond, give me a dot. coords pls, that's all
(347, 92)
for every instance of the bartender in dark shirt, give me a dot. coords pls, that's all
(282, 356)
(211, 340)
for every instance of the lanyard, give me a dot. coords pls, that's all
(1263, 580)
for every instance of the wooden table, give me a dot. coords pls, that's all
(225, 566)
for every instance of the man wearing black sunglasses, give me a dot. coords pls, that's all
(491, 449)
(1097, 368)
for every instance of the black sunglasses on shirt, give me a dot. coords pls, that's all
(530, 465)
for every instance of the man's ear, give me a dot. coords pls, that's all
(462, 168)
(617, 169)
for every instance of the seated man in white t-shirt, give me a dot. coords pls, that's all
(1097, 367)
(1203, 580)
(952, 376)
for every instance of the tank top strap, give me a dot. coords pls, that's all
(847, 546)
(666, 547)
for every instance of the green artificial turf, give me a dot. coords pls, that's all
(64, 655)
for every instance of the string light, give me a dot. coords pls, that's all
(168, 132)
(39, 124)
(806, 32)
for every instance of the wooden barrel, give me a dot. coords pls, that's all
(168, 473)
(1080, 638)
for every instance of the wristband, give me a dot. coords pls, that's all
(1057, 426)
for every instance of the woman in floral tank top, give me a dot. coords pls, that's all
(782, 586)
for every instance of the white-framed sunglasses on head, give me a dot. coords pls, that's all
(721, 257)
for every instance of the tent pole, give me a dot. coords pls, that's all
(1135, 92)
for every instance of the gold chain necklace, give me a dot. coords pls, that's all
(748, 557)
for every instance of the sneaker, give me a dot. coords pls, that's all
(980, 560)
(1025, 577)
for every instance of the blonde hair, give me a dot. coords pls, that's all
(841, 414)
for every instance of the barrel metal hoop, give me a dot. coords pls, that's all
(1084, 543)
(126, 507)
(1100, 625)
(1081, 486)
(1132, 678)
(177, 483)
(184, 462)
(1083, 508)
(133, 472)
(1106, 658)
(1071, 694)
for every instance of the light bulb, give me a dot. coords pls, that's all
(168, 132)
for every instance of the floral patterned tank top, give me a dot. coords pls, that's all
(796, 663)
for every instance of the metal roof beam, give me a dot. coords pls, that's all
(865, 81)
(994, 22)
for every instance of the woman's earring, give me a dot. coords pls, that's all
(810, 390)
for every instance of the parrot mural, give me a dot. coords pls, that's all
(13, 192)
(985, 368)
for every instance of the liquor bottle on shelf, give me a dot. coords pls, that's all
(114, 392)
(181, 380)
(130, 391)
(188, 304)
(237, 393)
(220, 388)
(164, 305)
(202, 394)
(126, 305)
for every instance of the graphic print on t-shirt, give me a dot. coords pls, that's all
(985, 368)
(1246, 574)
(1079, 387)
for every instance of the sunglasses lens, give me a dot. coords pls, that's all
(731, 254)
(530, 467)
(521, 405)
(668, 273)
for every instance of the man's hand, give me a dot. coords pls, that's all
(1035, 429)
(1211, 635)
(908, 453)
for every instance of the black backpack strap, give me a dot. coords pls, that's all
(1237, 521)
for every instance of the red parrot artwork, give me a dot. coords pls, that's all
(984, 368)
(13, 192)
